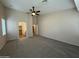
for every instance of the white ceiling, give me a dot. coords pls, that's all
(50, 6)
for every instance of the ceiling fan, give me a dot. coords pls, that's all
(33, 12)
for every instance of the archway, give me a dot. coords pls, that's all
(22, 29)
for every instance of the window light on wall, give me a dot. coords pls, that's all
(3, 27)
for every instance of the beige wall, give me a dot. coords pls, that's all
(13, 19)
(2, 38)
(62, 26)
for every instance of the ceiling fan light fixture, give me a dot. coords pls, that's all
(33, 14)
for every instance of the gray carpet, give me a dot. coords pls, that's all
(39, 47)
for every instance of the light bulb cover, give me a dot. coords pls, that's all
(33, 14)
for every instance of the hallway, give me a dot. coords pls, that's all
(39, 47)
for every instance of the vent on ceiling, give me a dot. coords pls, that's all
(43, 1)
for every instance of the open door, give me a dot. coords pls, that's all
(22, 29)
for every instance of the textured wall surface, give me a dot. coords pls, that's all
(62, 26)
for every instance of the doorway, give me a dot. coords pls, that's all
(22, 29)
(35, 29)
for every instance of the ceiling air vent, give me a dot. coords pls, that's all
(43, 1)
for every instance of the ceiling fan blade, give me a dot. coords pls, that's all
(37, 11)
(37, 14)
(33, 8)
